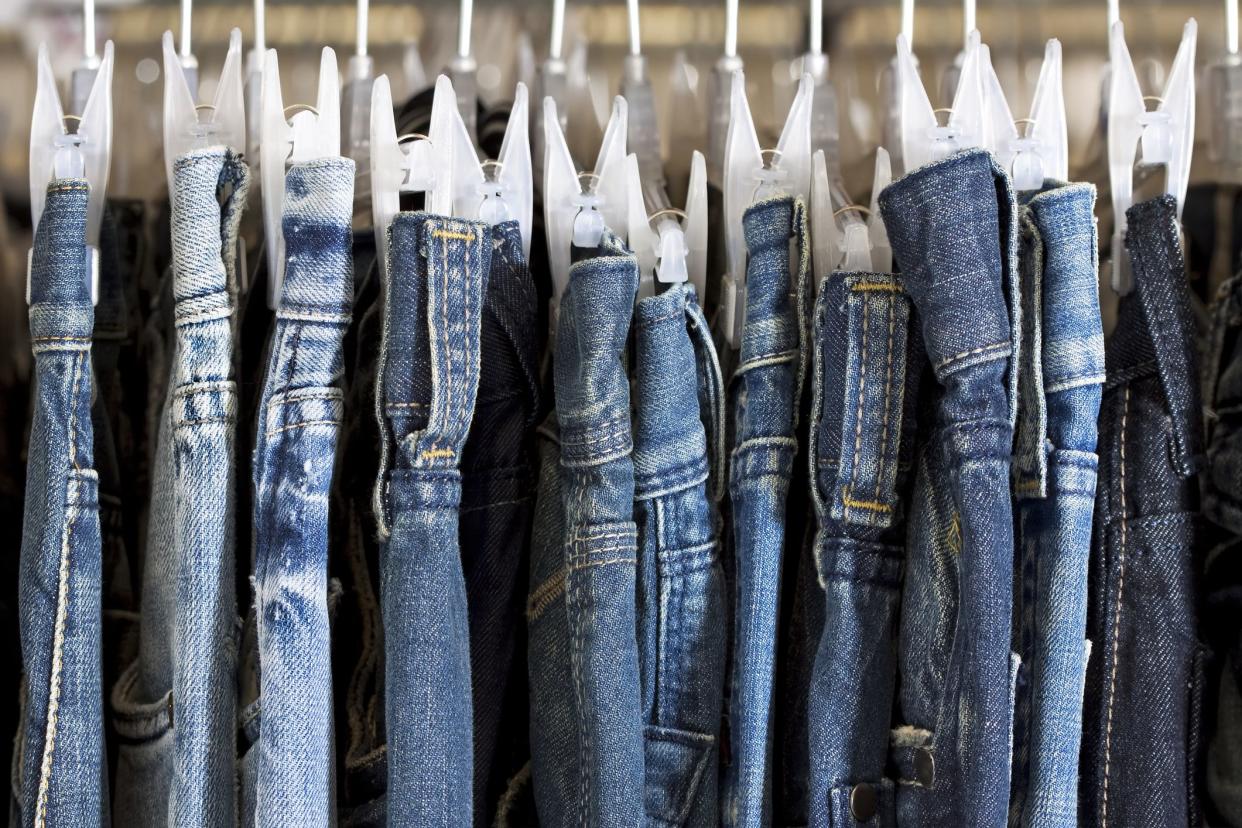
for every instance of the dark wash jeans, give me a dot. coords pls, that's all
(429, 378)
(678, 477)
(1222, 506)
(1060, 385)
(1140, 728)
(867, 362)
(59, 763)
(586, 727)
(953, 229)
(764, 396)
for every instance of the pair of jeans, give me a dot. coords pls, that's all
(764, 398)
(429, 376)
(678, 480)
(1140, 713)
(1059, 389)
(587, 752)
(953, 225)
(1222, 506)
(60, 757)
(866, 366)
(497, 506)
(175, 707)
(300, 415)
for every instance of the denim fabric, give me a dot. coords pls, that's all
(1222, 505)
(300, 412)
(60, 750)
(175, 707)
(1139, 727)
(764, 397)
(429, 376)
(587, 753)
(867, 363)
(680, 588)
(1060, 385)
(497, 506)
(953, 228)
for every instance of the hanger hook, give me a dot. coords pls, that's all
(817, 27)
(360, 40)
(907, 20)
(968, 19)
(557, 41)
(464, 21)
(88, 30)
(1114, 12)
(636, 46)
(187, 13)
(853, 208)
(1231, 26)
(730, 46)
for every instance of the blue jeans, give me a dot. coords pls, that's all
(1059, 390)
(867, 362)
(1140, 712)
(953, 225)
(429, 377)
(497, 506)
(679, 400)
(587, 752)
(61, 733)
(175, 707)
(300, 416)
(764, 397)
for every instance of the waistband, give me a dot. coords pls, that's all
(207, 201)
(61, 314)
(318, 284)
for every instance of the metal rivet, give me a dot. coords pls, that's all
(863, 802)
(925, 767)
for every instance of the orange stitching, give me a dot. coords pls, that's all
(431, 453)
(1121, 584)
(452, 234)
(871, 505)
(885, 287)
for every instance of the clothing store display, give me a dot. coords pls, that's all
(376, 472)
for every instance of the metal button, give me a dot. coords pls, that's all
(863, 802)
(925, 767)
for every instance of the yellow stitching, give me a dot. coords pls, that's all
(866, 504)
(1028, 486)
(545, 594)
(1121, 584)
(429, 454)
(451, 234)
(863, 287)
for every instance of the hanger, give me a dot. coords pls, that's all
(185, 55)
(748, 180)
(82, 79)
(1166, 134)
(720, 96)
(463, 70)
(953, 72)
(188, 127)
(307, 134)
(254, 83)
(644, 132)
(56, 153)
(1041, 149)
(890, 93)
(923, 138)
(1224, 75)
(412, 68)
(551, 82)
(668, 251)
(356, 96)
(825, 134)
(860, 246)
(578, 207)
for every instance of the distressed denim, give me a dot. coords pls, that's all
(678, 477)
(60, 755)
(1141, 705)
(764, 396)
(1222, 506)
(175, 707)
(953, 228)
(866, 366)
(429, 377)
(497, 506)
(586, 726)
(1059, 388)
(300, 418)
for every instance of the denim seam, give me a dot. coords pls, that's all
(290, 315)
(545, 595)
(965, 356)
(303, 424)
(1121, 582)
(770, 358)
(1077, 381)
(493, 504)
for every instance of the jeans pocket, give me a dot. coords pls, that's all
(677, 766)
(144, 763)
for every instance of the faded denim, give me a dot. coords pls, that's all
(953, 229)
(678, 476)
(586, 725)
(764, 397)
(866, 366)
(1140, 716)
(429, 378)
(1060, 384)
(60, 752)
(497, 506)
(300, 419)
(175, 708)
